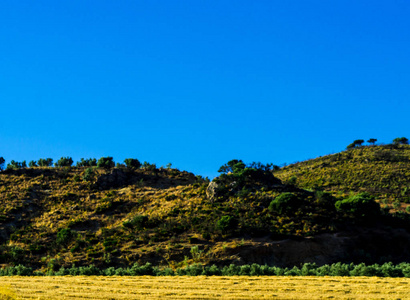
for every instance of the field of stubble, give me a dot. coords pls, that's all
(202, 287)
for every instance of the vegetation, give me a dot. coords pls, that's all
(307, 269)
(401, 140)
(382, 171)
(106, 162)
(132, 163)
(64, 162)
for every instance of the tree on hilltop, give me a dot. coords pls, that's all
(356, 143)
(401, 140)
(2, 161)
(372, 141)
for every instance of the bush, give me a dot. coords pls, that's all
(89, 174)
(32, 163)
(285, 203)
(106, 162)
(227, 223)
(64, 236)
(132, 163)
(149, 167)
(360, 205)
(139, 222)
(45, 162)
(64, 162)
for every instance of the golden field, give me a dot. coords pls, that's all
(203, 287)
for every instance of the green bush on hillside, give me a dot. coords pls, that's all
(360, 205)
(227, 224)
(64, 236)
(285, 203)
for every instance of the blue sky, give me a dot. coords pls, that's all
(198, 83)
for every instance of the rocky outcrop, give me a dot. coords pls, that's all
(114, 179)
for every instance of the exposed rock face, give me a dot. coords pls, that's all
(211, 191)
(116, 178)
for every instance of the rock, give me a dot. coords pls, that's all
(115, 179)
(211, 191)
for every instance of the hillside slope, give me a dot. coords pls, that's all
(383, 171)
(52, 217)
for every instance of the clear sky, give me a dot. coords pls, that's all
(198, 83)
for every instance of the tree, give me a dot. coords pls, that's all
(2, 162)
(32, 163)
(229, 166)
(401, 140)
(45, 162)
(16, 165)
(106, 162)
(132, 163)
(356, 143)
(372, 141)
(64, 162)
(89, 162)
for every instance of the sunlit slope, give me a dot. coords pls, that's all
(383, 171)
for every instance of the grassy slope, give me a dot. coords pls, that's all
(50, 217)
(383, 171)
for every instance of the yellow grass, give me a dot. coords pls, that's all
(202, 287)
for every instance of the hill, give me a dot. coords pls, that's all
(383, 171)
(59, 216)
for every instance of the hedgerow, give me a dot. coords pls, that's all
(307, 269)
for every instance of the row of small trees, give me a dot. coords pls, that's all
(103, 162)
(359, 143)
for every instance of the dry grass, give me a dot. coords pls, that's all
(146, 287)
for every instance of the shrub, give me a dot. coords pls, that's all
(64, 236)
(64, 162)
(360, 205)
(132, 163)
(88, 174)
(32, 163)
(149, 167)
(45, 162)
(139, 222)
(285, 203)
(106, 162)
(226, 223)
